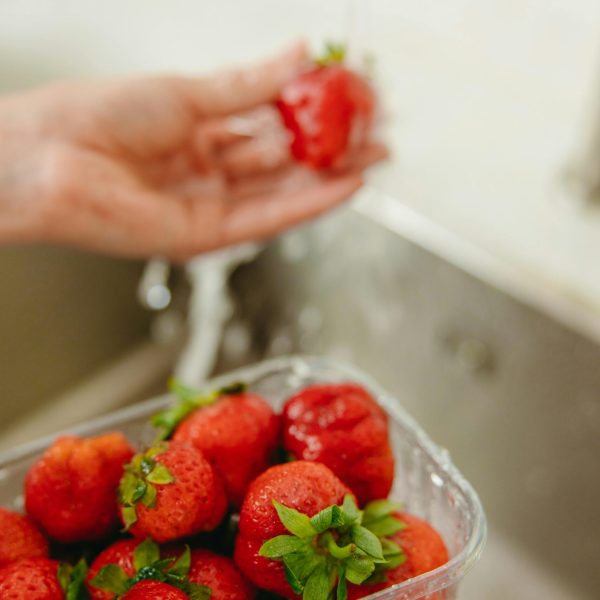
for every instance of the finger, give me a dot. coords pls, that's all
(369, 155)
(290, 178)
(243, 143)
(264, 216)
(240, 89)
(293, 176)
(361, 158)
(252, 157)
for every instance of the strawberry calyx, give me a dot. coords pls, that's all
(139, 481)
(189, 400)
(340, 544)
(334, 54)
(72, 580)
(148, 564)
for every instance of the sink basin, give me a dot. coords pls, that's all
(511, 394)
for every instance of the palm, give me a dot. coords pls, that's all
(159, 166)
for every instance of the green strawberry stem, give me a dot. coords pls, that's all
(337, 545)
(334, 54)
(189, 400)
(149, 565)
(139, 481)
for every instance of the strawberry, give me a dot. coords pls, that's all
(237, 432)
(154, 590)
(300, 532)
(343, 427)
(328, 110)
(220, 575)
(120, 554)
(135, 564)
(169, 492)
(42, 579)
(19, 538)
(71, 491)
(423, 549)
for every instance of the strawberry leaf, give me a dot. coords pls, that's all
(168, 420)
(393, 554)
(160, 475)
(149, 497)
(198, 592)
(281, 545)
(147, 464)
(303, 562)
(319, 584)
(182, 565)
(190, 400)
(129, 516)
(291, 578)
(385, 527)
(139, 491)
(358, 568)
(64, 575)
(329, 517)
(294, 521)
(76, 589)
(72, 580)
(380, 508)
(342, 589)
(127, 487)
(111, 578)
(145, 554)
(368, 542)
(350, 511)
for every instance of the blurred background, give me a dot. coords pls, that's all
(465, 277)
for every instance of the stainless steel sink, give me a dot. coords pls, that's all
(63, 315)
(514, 396)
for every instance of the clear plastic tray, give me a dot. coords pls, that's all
(426, 480)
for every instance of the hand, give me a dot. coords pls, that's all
(162, 166)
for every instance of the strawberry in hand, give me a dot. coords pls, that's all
(328, 111)
(236, 431)
(343, 427)
(301, 533)
(169, 492)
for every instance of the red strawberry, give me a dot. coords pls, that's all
(71, 490)
(154, 590)
(220, 575)
(329, 111)
(237, 432)
(19, 538)
(423, 548)
(121, 554)
(41, 579)
(118, 571)
(332, 542)
(343, 427)
(31, 579)
(169, 492)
